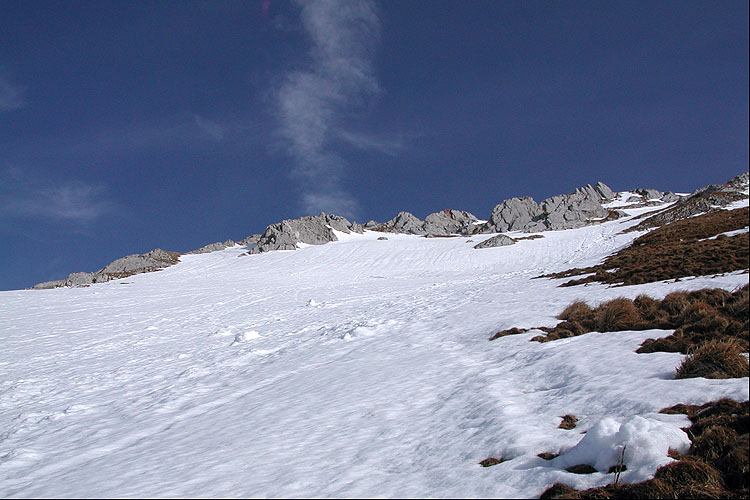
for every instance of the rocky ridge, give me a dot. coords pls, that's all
(154, 260)
(586, 205)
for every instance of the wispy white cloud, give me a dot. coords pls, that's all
(312, 103)
(11, 96)
(211, 128)
(368, 142)
(23, 195)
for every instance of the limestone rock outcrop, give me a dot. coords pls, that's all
(312, 230)
(447, 222)
(444, 223)
(154, 260)
(213, 247)
(565, 211)
(512, 215)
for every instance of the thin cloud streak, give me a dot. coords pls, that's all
(388, 145)
(211, 128)
(23, 196)
(11, 96)
(312, 103)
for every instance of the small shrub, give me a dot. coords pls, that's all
(715, 359)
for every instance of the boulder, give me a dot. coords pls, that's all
(405, 223)
(649, 194)
(249, 240)
(512, 215)
(135, 264)
(604, 191)
(448, 222)
(670, 197)
(500, 240)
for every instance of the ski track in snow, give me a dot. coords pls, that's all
(358, 368)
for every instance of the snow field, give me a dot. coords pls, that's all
(358, 368)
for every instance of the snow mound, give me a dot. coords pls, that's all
(646, 440)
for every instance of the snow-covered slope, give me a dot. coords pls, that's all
(357, 368)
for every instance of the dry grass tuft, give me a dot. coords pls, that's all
(710, 314)
(692, 478)
(559, 491)
(674, 303)
(714, 442)
(510, 331)
(715, 359)
(489, 462)
(568, 422)
(577, 311)
(582, 469)
(616, 315)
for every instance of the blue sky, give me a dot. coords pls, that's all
(126, 126)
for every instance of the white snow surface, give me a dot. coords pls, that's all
(359, 368)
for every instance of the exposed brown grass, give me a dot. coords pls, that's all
(582, 469)
(559, 491)
(577, 311)
(489, 462)
(617, 315)
(714, 359)
(510, 331)
(568, 422)
(673, 251)
(715, 467)
(709, 314)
